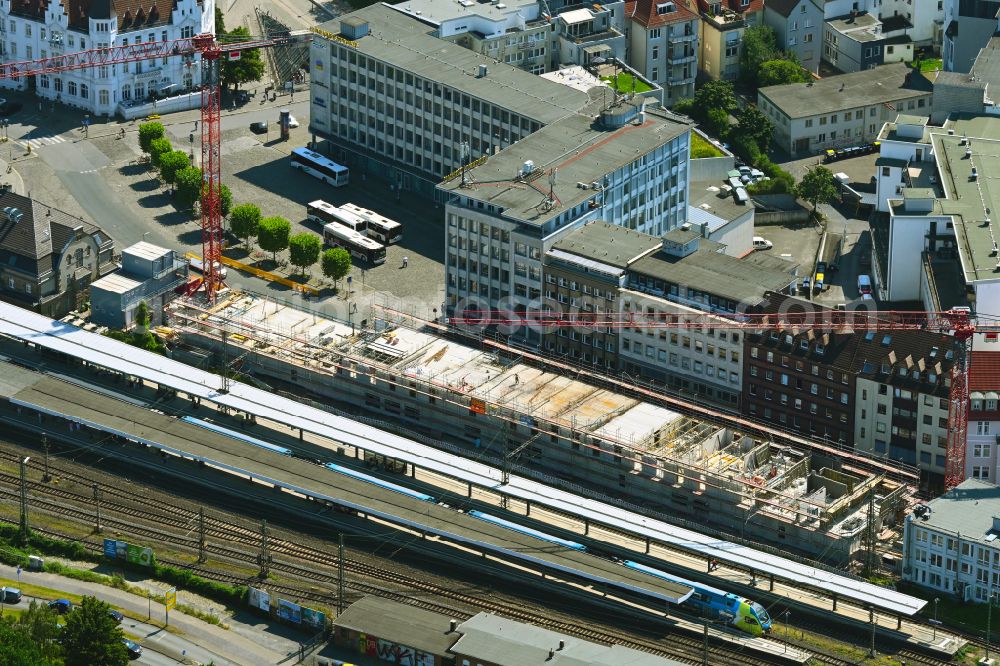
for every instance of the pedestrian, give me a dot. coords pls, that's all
(406, 262)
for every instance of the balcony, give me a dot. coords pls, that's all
(597, 37)
(683, 38)
(727, 21)
(681, 57)
(681, 81)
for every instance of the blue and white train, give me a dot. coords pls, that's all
(737, 611)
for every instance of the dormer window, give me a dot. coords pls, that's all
(666, 8)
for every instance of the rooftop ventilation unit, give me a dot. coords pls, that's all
(964, 140)
(527, 167)
(968, 153)
(974, 175)
(951, 132)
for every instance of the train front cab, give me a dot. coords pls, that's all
(752, 618)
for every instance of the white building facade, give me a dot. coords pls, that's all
(40, 30)
(950, 545)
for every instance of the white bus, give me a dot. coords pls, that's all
(380, 228)
(359, 245)
(323, 213)
(316, 165)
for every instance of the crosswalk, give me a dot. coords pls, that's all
(40, 141)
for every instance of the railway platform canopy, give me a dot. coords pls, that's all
(105, 352)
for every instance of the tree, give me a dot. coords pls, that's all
(147, 133)
(188, 181)
(18, 649)
(225, 200)
(220, 21)
(752, 125)
(41, 625)
(244, 221)
(303, 250)
(760, 44)
(171, 163)
(779, 72)
(715, 95)
(817, 186)
(141, 317)
(158, 148)
(91, 636)
(717, 123)
(250, 66)
(272, 235)
(336, 263)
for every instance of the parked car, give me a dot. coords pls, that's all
(242, 97)
(864, 284)
(761, 243)
(11, 595)
(116, 615)
(9, 108)
(133, 648)
(259, 127)
(805, 285)
(61, 606)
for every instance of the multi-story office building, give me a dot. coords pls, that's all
(399, 103)
(663, 44)
(692, 275)
(968, 26)
(512, 32)
(842, 110)
(629, 167)
(950, 544)
(720, 35)
(40, 30)
(798, 27)
(944, 218)
(585, 273)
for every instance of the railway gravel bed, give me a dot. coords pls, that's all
(129, 508)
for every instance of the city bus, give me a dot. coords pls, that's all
(380, 228)
(320, 167)
(325, 213)
(355, 242)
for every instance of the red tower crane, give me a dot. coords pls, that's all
(211, 51)
(957, 323)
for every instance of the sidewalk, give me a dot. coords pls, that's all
(214, 643)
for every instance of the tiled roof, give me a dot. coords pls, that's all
(783, 7)
(132, 14)
(645, 13)
(40, 230)
(920, 353)
(984, 371)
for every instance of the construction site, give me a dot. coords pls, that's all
(562, 430)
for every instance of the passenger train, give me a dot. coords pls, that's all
(737, 611)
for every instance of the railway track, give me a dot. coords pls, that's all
(682, 646)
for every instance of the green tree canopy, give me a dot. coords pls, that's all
(91, 636)
(818, 186)
(250, 66)
(303, 249)
(147, 133)
(225, 200)
(188, 181)
(171, 163)
(142, 316)
(716, 95)
(41, 625)
(760, 44)
(158, 148)
(781, 71)
(272, 235)
(752, 125)
(336, 263)
(244, 221)
(220, 21)
(17, 647)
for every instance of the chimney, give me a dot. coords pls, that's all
(482, 72)
(552, 654)
(562, 644)
(453, 626)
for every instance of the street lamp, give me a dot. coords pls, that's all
(788, 614)
(935, 621)
(989, 622)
